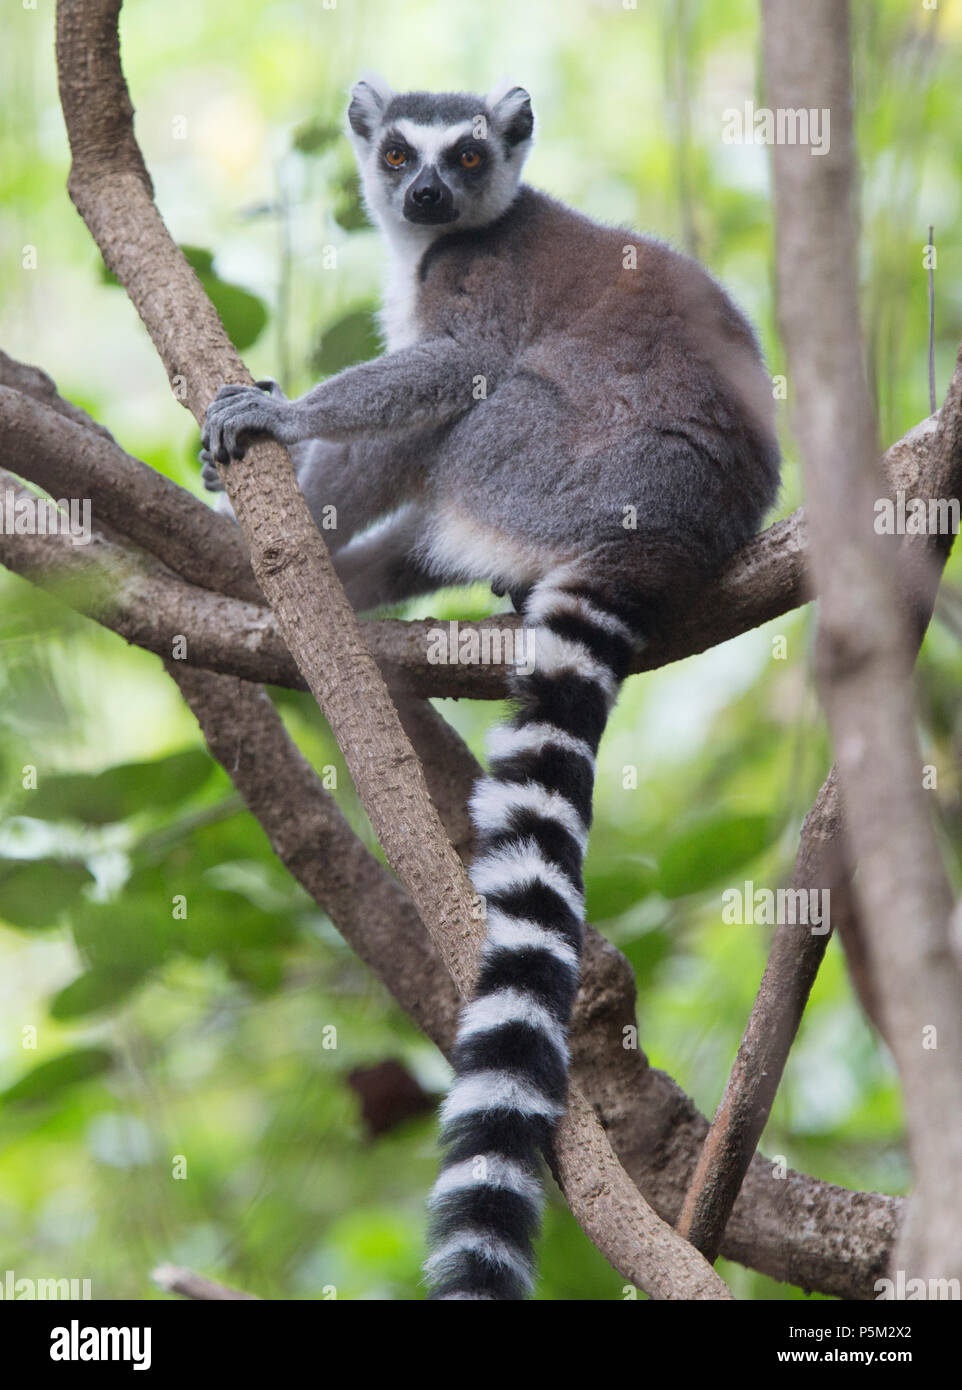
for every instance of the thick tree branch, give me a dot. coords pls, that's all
(763, 581)
(865, 640)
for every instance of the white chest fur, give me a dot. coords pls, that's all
(398, 316)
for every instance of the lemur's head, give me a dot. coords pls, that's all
(438, 161)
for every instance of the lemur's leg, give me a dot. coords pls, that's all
(420, 387)
(384, 566)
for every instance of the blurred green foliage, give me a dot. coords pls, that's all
(169, 1090)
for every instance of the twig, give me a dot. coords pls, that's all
(793, 963)
(190, 1285)
(931, 253)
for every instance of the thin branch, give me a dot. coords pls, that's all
(793, 963)
(65, 455)
(864, 647)
(139, 598)
(176, 1279)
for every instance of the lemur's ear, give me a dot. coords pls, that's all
(509, 107)
(369, 99)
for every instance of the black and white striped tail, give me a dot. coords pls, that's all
(532, 815)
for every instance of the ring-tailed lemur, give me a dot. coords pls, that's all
(573, 414)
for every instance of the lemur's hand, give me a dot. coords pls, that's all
(238, 412)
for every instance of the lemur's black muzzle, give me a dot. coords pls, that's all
(429, 199)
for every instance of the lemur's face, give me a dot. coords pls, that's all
(438, 161)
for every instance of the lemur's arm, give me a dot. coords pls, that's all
(421, 386)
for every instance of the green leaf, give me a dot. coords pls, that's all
(613, 885)
(348, 209)
(263, 971)
(242, 313)
(127, 937)
(34, 892)
(709, 850)
(46, 1079)
(118, 792)
(200, 260)
(352, 339)
(314, 136)
(92, 991)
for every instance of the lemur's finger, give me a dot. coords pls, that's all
(209, 474)
(232, 389)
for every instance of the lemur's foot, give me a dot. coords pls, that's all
(238, 412)
(209, 474)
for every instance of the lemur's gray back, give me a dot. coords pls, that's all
(576, 415)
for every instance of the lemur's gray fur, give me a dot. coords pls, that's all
(576, 415)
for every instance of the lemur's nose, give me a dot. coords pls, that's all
(429, 199)
(427, 194)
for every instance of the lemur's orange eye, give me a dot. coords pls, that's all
(471, 159)
(395, 156)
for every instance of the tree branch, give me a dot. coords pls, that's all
(865, 638)
(175, 1279)
(763, 582)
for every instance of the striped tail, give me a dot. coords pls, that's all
(532, 815)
